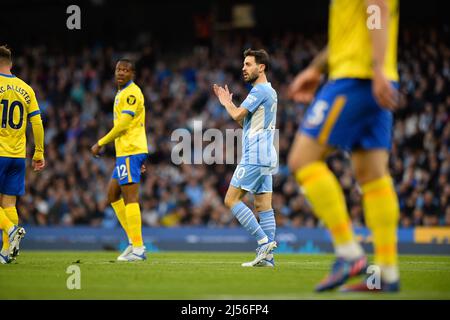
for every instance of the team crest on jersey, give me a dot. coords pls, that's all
(250, 99)
(131, 100)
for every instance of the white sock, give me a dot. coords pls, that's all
(10, 230)
(351, 250)
(139, 250)
(263, 241)
(389, 274)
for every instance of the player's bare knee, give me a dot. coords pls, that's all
(130, 193)
(370, 165)
(304, 152)
(263, 202)
(297, 159)
(113, 199)
(363, 179)
(131, 198)
(293, 162)
(297, 162)
(230, 201)
(260, 207)
(366, 175)
(113, 196)
(361, 176)
(7, 201)
(113, 193)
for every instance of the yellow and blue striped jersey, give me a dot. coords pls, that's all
(130, 100)
(349, 43)
(17, 104)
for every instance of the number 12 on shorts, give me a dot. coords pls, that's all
(122, 171)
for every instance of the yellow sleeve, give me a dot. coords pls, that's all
(121, 126)
(33, 106)
(34, 117)
(38, 133)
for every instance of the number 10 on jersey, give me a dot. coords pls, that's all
(7, 114)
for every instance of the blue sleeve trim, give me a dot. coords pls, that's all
(131, 113)
(34, 113)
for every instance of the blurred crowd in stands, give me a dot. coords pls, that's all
(76, 92)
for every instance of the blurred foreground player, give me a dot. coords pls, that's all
(130, 141)
(18, 105)
(352, 112)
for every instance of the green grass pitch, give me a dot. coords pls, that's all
(201, 275)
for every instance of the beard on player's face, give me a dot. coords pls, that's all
(251, 77)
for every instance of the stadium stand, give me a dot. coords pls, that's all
(76, 91)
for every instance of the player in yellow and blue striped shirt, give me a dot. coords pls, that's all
(18, 105)
(130, 141)
(352, 112)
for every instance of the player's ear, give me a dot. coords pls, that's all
(262, 67)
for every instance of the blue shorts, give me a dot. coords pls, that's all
(128, 168)
(345, 115)
(12, 176)
(254, 179)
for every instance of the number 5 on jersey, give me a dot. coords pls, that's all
(317, 115)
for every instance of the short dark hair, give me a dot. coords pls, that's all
(5, 53)
(261, 57)
(131, 62)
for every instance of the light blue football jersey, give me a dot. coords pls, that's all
(259, 126)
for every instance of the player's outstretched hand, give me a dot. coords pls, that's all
(143, 169)
(38, 165)
(95, 150)
(223, 94)
(383, 91)
(304, 86)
